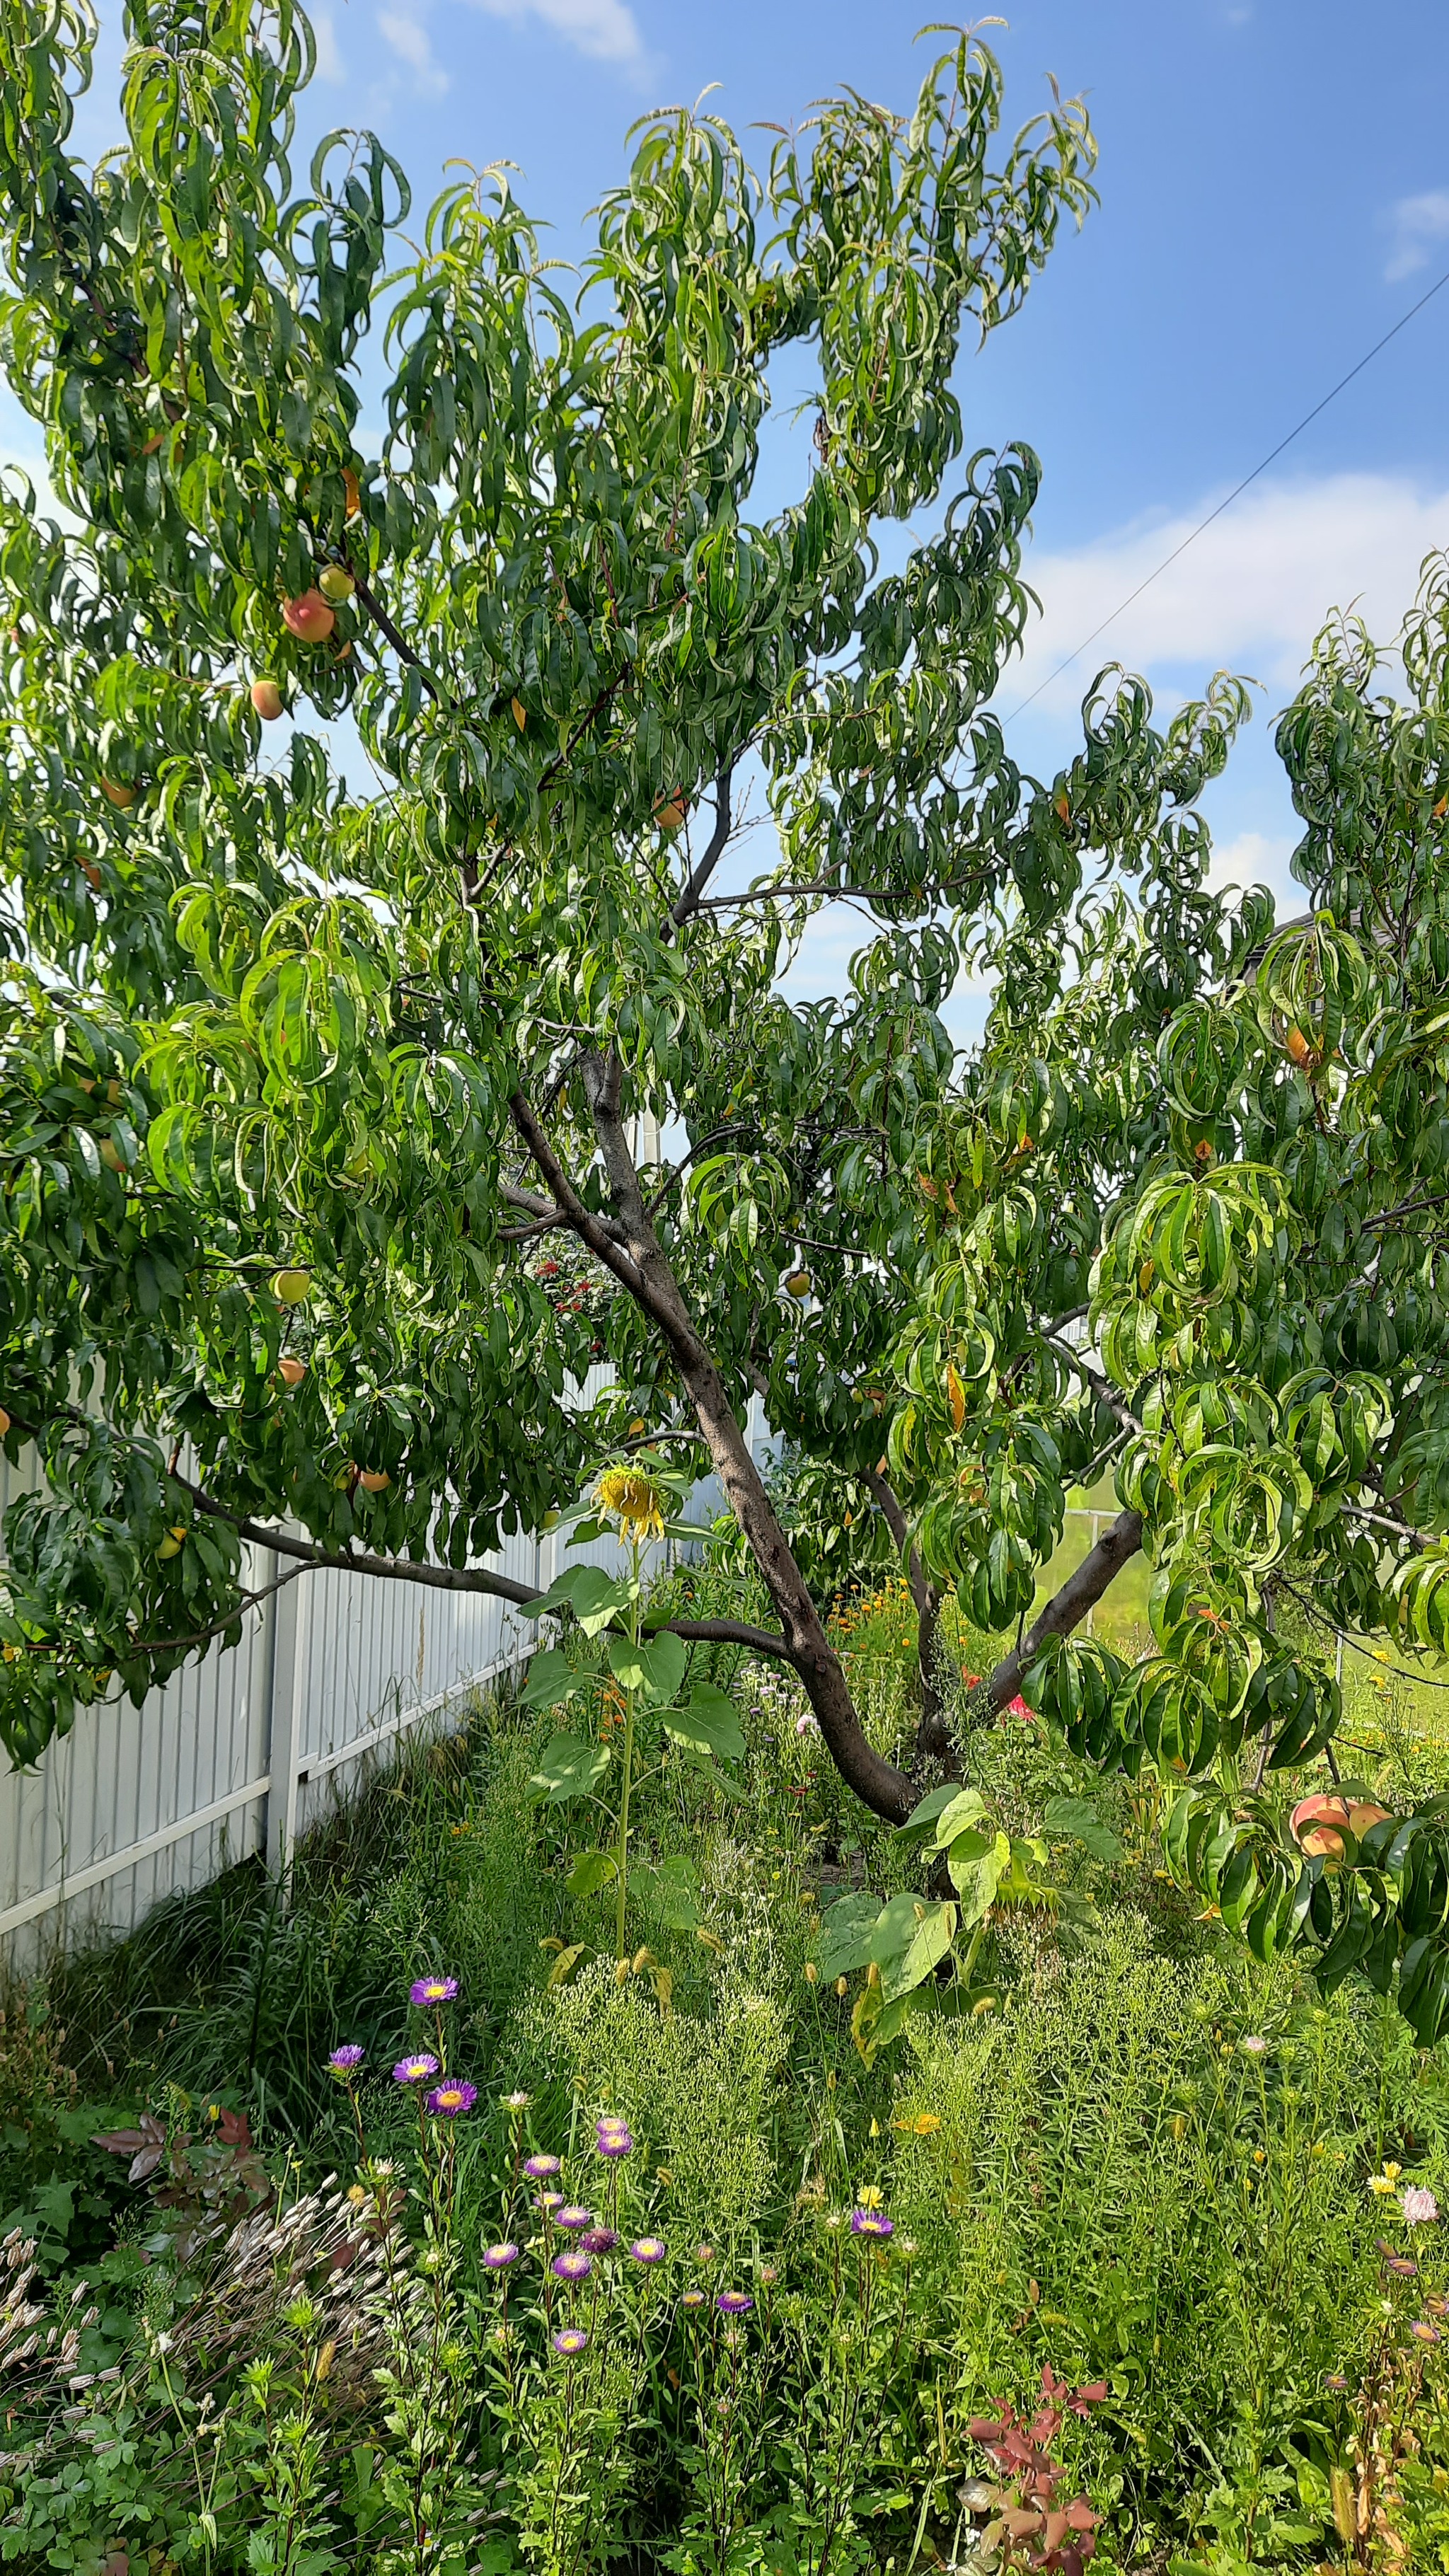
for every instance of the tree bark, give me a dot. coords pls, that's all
(1079, 1594)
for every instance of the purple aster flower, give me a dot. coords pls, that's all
(1424, 2331)
(1418, 2205)
(734, 2303)
(573, 2215)
(571, 2341)
(871, 2222)
(648, 2249)
(433, 1990)
(548, 2202)
(415, 2070)
(692, 2299)
(614, 2139)
(571, 2265)
(541, 2168)
(446, 2101)
(346, 2060)
(496, 2258)
(599, 2240)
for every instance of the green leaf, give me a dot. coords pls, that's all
(593, 1596)
(591, 1871)
(845, 1934)
(552, 1679)
(935, 1803)
(909, 1938)
(1077, 1820)
(709, 1720)
(977, 1863)
(669, 1894)
(568, 1768)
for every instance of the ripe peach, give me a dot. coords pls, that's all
(291, 1371)
(308, 617)
(374, 1480)
(117, 794)
(267, 699)
(670, 814)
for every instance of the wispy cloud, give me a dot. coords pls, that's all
(1418, 223)
(603, 29)
(411, 41)
(329, 59)
(1249, 594)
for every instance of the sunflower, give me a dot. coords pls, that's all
(634, 1501)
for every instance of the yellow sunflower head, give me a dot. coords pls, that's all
(633, 1500)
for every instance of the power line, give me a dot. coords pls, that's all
(1273, 454)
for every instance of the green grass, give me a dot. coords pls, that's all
(1108, 2176)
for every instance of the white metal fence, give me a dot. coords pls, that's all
(239, 1753)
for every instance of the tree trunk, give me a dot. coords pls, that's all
(639, 1264)
(642, 1268)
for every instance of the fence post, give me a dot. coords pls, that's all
(288, 1664)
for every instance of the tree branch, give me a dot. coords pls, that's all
(399, 643)
(596, 1231)
(874, 1780)
(1079, 1594)
(1101, 1387)
(690, 898)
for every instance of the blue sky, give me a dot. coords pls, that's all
(1274, 179)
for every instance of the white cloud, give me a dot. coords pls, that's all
(604, 29)
(1248, 595)
(329, 59)
(1256, 858)
(411, 41)
(1418, 223)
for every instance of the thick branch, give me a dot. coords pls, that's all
(1102, 1388)
(1080, 1593)
(723, 1632)
(689, 900)
(876, 1781)
(401, 1569)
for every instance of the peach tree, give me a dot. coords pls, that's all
(331, 1062)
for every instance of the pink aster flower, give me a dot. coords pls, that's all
(1418, 2205)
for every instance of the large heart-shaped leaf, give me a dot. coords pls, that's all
(593, 1596)
(591, 1871)
(710, 1721)
(934, 1805)
(568, 1768)
(977, 1863)
(669, 1894)
(910, 1937)
(1076, 1820)
(553, 1679)
(845, 1934)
